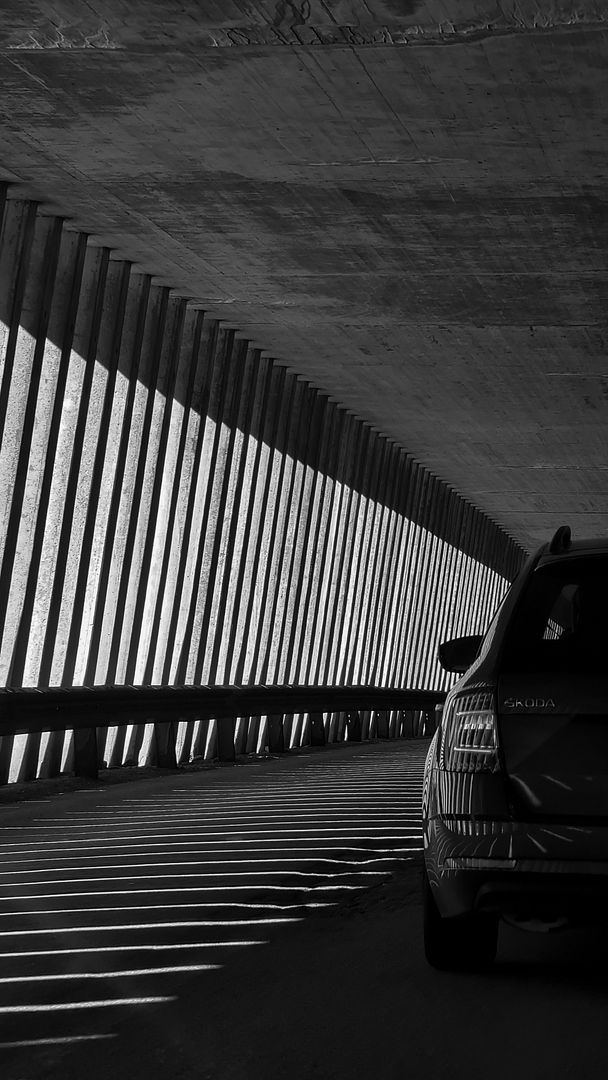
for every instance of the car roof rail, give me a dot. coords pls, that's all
(561, 540)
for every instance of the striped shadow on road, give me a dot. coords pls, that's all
(108, 910)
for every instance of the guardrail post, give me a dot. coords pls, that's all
(341, 727)
(6, 752)
(165, 735)
(276, 738)
(199, 743)
(225, 738)
(253, 735)
(29, 762)
(429, 722)
(353, 726)
(85, 752)
(241, 732)
(365, 715)
(382, 725)
(318, 736)
(115, 755)
(407, 729)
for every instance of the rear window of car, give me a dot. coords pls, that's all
(561, 622)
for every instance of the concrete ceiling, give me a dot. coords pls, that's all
(406, 201)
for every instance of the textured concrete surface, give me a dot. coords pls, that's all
(343, 992)
(114, 898)
(406, 201)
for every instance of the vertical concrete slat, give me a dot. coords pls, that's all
(307, 435)
(188, 651)
(240, 588)
(220, 508)
(465, 572)
(297, 639)
(386, 615)
(447, 562)
(332, 655)
(417, 645)
(235, 405)
(353, 598)
(426, 638)
(439, 573)
(304, 522)
(17, 241)
(395, 668)
(404, 559)
(285, 489)
(473, 591)
(147, 585)
(40, 552)
(450, 565)
(188, 367)
(373, 537)
(28, 350)
(136, 653)
(108, 354)
(212, 650)
(122, 630)
(484, 553)
(416, 564)
(266, 565)
(188, 536)
(461, 572)
(386, 525)
(314, 572)
(418, 571)
(371, 525)
(87, 334)
(381, 603)
(228, 613)
(454, 527)
(139, 291)
(269, 468)
(324, 585)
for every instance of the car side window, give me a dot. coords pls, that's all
(563, 618)
(561, 622)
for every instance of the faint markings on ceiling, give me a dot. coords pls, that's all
(291, 25)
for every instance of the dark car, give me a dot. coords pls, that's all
(515, 804)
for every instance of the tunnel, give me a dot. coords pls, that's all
(302, 347)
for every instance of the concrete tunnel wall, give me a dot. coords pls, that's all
(177, 507)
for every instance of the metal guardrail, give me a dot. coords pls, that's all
(87, 709)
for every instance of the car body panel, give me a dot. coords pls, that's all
(531, 836)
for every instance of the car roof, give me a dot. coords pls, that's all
(576, 548)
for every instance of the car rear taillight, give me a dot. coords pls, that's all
(469, 738)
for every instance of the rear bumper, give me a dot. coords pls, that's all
(518, 869)
(526, 891)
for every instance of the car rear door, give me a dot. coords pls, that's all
(552, 693)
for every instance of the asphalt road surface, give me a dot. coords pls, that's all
(263, 921)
